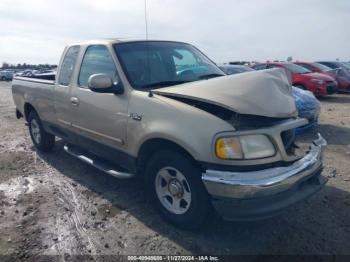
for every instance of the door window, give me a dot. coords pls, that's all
(259, 66)
(68, 65)
(97, 60)
(306, 66)
(272, 66)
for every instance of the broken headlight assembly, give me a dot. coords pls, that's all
(244, 147)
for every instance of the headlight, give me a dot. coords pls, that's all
(318, 81)
(244, 147)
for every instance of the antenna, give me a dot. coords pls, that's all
(146, 20)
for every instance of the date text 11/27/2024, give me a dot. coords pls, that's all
(173, 258)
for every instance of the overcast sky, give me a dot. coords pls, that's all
(36, 31)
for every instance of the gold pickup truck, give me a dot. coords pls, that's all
(165, 112)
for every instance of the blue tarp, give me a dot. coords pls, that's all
(308, 107)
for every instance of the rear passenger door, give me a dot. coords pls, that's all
(100, 117)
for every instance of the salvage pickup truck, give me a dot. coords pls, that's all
(165, 112)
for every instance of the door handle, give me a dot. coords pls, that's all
(74, 101)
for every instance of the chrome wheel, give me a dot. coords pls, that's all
(35, 130)
(173, 190)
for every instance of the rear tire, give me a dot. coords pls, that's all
(174, 184)
(42, 140)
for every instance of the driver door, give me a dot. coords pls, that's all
(99, 117)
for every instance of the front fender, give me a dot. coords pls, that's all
(165, 118)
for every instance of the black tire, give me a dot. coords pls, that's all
(46, 141)
(199, 206)
(3, 78)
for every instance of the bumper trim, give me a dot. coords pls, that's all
(245, 185)
(263, 208)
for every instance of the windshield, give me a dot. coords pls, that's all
(155, 64)
(231, 70)
(321, 67)
(296, 69)
(335, 65)
(345, 66)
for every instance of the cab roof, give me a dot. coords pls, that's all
(108, 41)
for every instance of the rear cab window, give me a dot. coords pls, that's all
(68, 65)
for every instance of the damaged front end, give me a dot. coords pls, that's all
(252, 190)
(258, 103)
(238, 121)
(263, 193)
(281, 131)
(259, 170)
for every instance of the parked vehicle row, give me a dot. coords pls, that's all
(319, 84)
(34, 72)
(6, 75)
(340, 74)
(322, 78)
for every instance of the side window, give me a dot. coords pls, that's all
(306, 66)
(272, 66)
(97, 60)
(259, 66)
(67, 66)
(329, 65)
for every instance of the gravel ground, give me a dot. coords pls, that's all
(53, 204)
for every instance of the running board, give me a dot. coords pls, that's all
(96, 162)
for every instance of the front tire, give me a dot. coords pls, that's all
(42, 140)
(174, 185)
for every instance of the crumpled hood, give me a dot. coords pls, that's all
(264, 93)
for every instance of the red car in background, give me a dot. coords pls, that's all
(340, 75)
(319, 84)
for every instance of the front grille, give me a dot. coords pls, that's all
(331, 89)
(288, 138)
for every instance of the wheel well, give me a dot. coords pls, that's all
(152, 146)
(27, 109)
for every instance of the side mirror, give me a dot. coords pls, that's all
(102, 83)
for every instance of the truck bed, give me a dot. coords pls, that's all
(37, 92)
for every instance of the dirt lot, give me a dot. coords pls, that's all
(53, 204)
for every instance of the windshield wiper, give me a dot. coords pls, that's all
(208, 76)
(164, 84)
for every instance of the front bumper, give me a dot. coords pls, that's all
(323, 89)
(256, 194)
